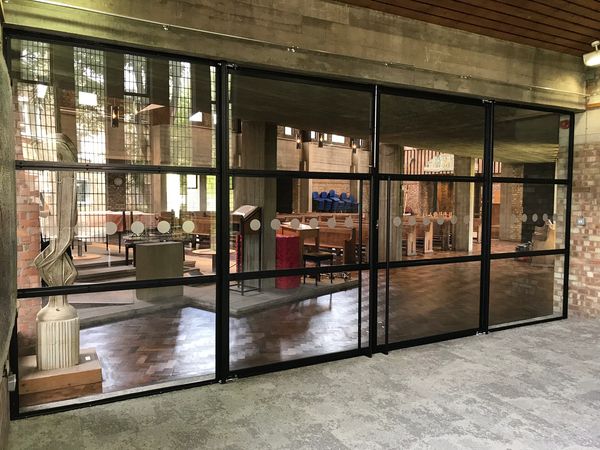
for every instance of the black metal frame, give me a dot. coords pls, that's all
(223, 173)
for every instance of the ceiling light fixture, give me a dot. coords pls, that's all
(592, 59)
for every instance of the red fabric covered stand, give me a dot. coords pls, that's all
(287, 256)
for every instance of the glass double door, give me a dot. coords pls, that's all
(429, 266)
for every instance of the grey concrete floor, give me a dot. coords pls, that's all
(532, 387)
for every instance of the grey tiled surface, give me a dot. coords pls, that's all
(532, 387)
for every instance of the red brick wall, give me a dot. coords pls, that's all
(28, 247)
(584, 278)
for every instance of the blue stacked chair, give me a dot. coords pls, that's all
(318, 202)
(346, 205)
(336, 206)
(353, 203)
(328, 201)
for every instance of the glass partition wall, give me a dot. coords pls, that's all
(195, 221)
(299, 160)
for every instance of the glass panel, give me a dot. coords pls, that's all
(111, 107)
(329, 218)
(429, 300)
(429, 219)
(530, 144)
(295, 317)
(430, 137)
(528, 217)
(526, 288)
(330, 126)
(134, 343)
(125, 222)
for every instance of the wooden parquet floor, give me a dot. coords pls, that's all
(424, 301)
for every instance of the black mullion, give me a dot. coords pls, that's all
(117, 397)
(557, 251)
(428, 339)
(373, 221)
(126, 168)
(516, 180)
(486, 213)
(222, 217)
(114, 286)
(522, 323)
(295, 363)
(360, 244)
(439, 178)
(531, 107)
(388, 224)
(272, 273)
(262, 173)
(13, 358)
(294, 77)
(441, 97)
(428, 262)
(566, 261)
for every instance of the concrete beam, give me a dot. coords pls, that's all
(328, 38)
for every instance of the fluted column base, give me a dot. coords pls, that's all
(58, 336)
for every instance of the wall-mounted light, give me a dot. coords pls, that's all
(114, 116)
(298, 142)
(321, 140)
(592, 59)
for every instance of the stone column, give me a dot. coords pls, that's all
(258, 150)
(464, 204)
(8, 243)
(304, 185)
(390, 161)
(511, 204)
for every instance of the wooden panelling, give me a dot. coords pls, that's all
(563, 26)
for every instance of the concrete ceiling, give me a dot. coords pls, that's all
(520, 135)
(566, 26)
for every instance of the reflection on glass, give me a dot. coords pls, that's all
(290, 125)
(329, 219)
(292, 318)
(137, 342)
(430, 137)
(526, 288)
(115, 107)
(530, 144)
(428, 301)
(429, 219)
(122, 230)
(528, 217)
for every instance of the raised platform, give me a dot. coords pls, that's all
(37, 387)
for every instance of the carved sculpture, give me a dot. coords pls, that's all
(58, 322)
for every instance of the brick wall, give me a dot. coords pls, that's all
(584, 276)
(28, 247)
(584, 294)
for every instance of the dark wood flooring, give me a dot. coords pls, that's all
(424, 301)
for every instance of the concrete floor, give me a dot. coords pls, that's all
(532, 387)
